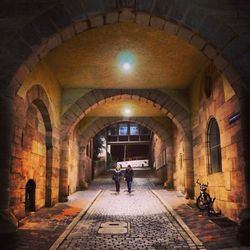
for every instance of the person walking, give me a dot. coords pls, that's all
(129, 173)
(117, 176)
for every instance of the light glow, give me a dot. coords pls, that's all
(127, 111)
(126, 66)
(126, 61)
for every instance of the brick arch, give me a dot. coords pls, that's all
(102, 123)
(95, 98)
(97, 125)
(210, 34)
(37, 96)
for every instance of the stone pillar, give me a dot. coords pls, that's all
(8, 222)
(63, 183)
(245, 131)
(83, 185)
(170, 171)
(244, 228)
(188, 166)
(49, 161)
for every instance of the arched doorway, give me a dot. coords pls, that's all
(30, 196)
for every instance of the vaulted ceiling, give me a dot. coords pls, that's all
(91, 59)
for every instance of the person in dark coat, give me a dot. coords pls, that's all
(117, 176)
(129, 173)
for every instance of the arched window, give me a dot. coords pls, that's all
(214, 148)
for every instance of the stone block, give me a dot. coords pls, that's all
(127, 16)
(210, 52)
(96, 21)
(32, 61)
(42, 50)
(81, 26)
(171, 28)
(227, 178)
(112, 17)
(22, 73)
(82, 103)
(220, 62)
(157, 22)
(142, 19)
(67, 33)
(185, 34)
(76, 109)
(198, 42)
(54, 41)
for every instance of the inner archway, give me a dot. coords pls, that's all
(30, 196)
(70, 50)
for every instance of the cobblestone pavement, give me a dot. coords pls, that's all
(147, 222)
(40, 229)
(151, 226)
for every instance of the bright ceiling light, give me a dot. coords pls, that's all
(126, 61)
(127, 111)
(126, 66)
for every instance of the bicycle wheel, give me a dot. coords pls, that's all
(202, 202)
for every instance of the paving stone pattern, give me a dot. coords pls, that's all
(151, 226)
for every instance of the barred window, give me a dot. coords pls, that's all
(214, 148)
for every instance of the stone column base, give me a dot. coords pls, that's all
(8, 222)
(244, 227)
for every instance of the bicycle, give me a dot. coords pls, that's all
(204, 200)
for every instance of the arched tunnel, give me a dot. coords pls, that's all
(162, 86)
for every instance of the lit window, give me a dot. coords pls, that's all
(134, 130)
(123, 129)
(214, 148)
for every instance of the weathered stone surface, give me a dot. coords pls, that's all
(142, 19)
(112, 17)
(127, 16)
(157, 22)
(96, 21)
(68, 32)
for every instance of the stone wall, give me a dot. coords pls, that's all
(99, 167)
(35, 151)
(32, 162)
(178, 162)
(72, 163)
(226, 186)
(159, 158)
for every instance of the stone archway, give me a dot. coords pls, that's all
(191, 21)
(97, 125)
(36, 96)
(156, 98)
(219, 46)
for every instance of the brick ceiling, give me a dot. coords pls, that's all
(90, 59)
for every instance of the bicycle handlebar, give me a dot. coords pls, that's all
(201, 183)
